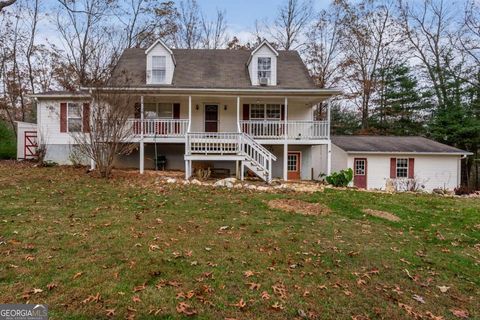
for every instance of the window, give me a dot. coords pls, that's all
(402, 168)
(292, 162)
(265, 112)
(359, 167)
(74, 117)
(257, 112)
(264, 67)
(158, 69)
(158, 110)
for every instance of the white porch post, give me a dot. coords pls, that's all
(328, 121)
(189, 113)
(142, 146)
(329, 145)
(188, 163)
(92, 133)
(238, 114)
(285, 145)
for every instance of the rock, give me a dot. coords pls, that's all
(186, 182)
(438, 191)
(390, 186)
(171, 180)
(228, 183)
(196, 182)
(263, 188)
(251, 187)
(238, 186)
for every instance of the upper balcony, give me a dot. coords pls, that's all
(298, 130)
(269, 120)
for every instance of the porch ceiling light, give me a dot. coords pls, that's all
(225, 107)
(197, 107)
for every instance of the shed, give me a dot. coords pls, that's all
(404, 163)
(26, 140)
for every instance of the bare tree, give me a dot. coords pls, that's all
(106, 131)
(145, 21)
(6, 3)
(323, 48)
(426, 26)
(368, 37)
(90, 44)
(470, 39)
(293, 17)
(214, 32)
(189, 25)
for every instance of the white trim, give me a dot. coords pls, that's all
(396, 168)
(68, 118)
(164, 45)
(264, 43)
(233, 91)
(409, 153)
(205, 104)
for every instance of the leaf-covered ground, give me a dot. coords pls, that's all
(135, 248)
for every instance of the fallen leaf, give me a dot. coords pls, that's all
(78, 274)
(136, 299)
(248, 273)
(51, 286)
(139, 288)
(253, 286)
(443, 289)
(265, 295)
(110, 312)
(35, 291)
(240, 304)
(460, 313)
(185, 309)
(418, 298)
(277, 306)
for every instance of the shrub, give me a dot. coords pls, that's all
(340, 179)
(8, 147)
(464, 190)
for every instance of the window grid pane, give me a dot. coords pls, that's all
(273, 111)
(257, 111)
(165, 110)
(360, 167)
(158, 69)
(402, 168)
(264, 67)
(74, 117)
(292, 162)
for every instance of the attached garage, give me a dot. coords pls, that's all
(401, 163)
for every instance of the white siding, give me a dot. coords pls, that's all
(339, 159)
(160, 50)
(263, 51)
(432, 171)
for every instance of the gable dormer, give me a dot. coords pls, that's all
(262, 65)
(160, 63)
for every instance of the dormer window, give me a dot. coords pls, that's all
(158, 69)
(264, 70)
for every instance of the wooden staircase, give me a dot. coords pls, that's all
(230, 146)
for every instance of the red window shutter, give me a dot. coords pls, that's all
(411, 168)
(393, 168)
(176, 111)
(63, 117)
(86, 117)
(246, 112)
(282, 112)
(138, 111)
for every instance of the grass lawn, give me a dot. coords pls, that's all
(133, 247)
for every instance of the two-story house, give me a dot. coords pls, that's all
(228, 109)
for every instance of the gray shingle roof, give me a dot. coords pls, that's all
(205, 68)
(392, 144)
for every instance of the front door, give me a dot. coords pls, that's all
(211, 118)
(360, 173)
(293, 165)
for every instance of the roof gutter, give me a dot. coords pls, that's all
(466, 153)
(315, 92)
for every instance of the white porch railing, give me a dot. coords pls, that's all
(213, 143)
(159, 127)
(298, 130)
(257, 158)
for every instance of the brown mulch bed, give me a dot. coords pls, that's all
(382, 214)
(299, 206)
